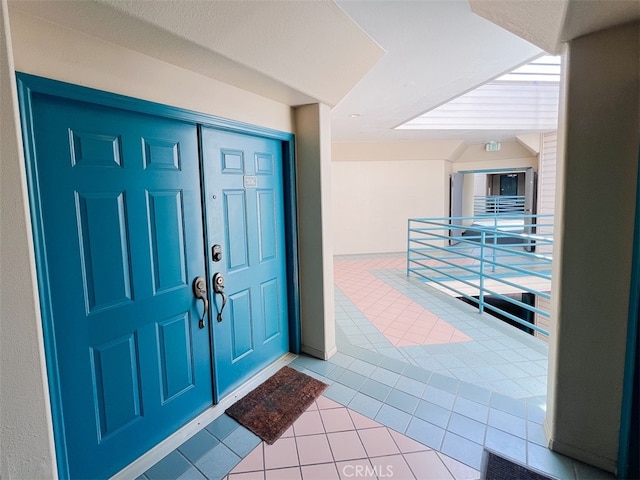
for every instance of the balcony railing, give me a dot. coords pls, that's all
(483, 259)
(498, 205)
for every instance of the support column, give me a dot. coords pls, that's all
(596, 189)
(313, 145)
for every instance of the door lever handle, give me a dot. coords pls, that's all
(218, 287)
(200, 292)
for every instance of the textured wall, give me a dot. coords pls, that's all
(25, 433)
(597, 172)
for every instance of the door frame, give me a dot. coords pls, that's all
(629, 405)
(27, 85)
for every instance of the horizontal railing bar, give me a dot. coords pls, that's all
(513, 301)
(487, 261)
(521, 270)
(492, 246)
(524, 323)
(499, 279)
(502, 223)
(508, 253)
(510, 248)
(471, 217)
(521, 239)
(428, 267)
(542, 269)
(444, 249)
(493, 308)
(449, 287)
(462, 267)
(524, 260)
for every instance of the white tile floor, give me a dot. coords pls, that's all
(420, 406)
(331, 442)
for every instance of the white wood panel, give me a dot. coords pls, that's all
(496, 105)
(544, 322)
(546, 205)
(480, 185)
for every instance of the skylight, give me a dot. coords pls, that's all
(525, 99)
(543, 69)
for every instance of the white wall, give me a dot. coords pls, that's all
(45, 49)
(372, 202)
(377, 187)
(41, 48)
(26, 443)
(511, 155)
(596, 175)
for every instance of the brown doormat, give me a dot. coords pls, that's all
(271, 408)
(495, 467)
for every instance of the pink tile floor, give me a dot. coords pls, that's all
(332, 442)
(401, 320)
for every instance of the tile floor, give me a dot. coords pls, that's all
(479, 349)
(425, 406)
(332, 442)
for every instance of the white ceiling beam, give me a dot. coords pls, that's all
(537, 21)
(549, 23)
(283, 50)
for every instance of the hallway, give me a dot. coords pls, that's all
(421, 384)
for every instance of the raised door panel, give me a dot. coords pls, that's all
(104, 249)
(245, 215)
(165, 214)
(120, 236)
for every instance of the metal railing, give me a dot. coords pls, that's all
(498, 205)
(483, 259)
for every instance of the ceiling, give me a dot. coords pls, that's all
(436, 51)
(378, 63)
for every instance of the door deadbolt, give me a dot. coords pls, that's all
(216, 253)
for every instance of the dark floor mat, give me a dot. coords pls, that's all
(495, 467)
(271, 408)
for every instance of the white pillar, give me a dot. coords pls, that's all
(599, 139)
(313, 145)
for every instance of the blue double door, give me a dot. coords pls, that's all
(130, 209)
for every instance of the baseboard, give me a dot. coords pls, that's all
(157, 453)
(321, 354)
(584, 456)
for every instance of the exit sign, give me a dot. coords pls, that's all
(492, 146)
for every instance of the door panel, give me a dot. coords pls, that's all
(509, 184)
(245, 215)
(121, 232)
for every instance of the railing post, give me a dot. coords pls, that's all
(481, 285)
(495, 241)
(408, 247)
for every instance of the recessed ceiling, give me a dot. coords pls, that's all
(519, 102)
(379, 62)
(436, 51)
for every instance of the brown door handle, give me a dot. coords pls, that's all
(200, 292)
(218, 287)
